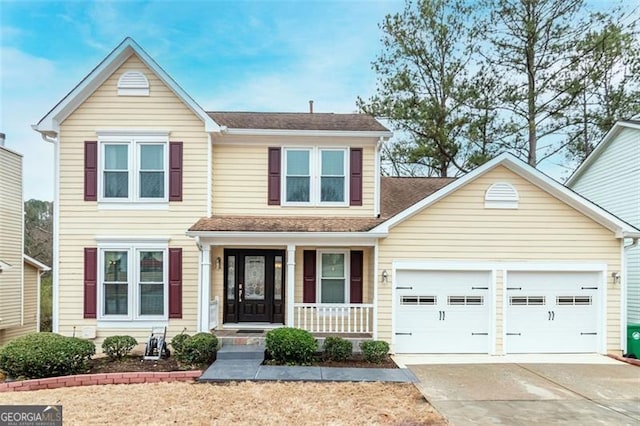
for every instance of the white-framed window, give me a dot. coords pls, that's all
(333, 276)
(133, 169)
(315, 176)
(133, 282)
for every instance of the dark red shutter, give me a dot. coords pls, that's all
(274, 177)
(355, 181)
(356, 276)
(175, 283)
(90, 278)
(90, 171)
(309, 276)
(175, 171)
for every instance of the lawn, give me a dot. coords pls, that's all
(243, 402)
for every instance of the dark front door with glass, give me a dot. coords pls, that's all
(254, 286)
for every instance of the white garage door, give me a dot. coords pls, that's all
(442, 311)
(552, 312)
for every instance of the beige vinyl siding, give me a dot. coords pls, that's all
(30, 324)
(240, 176)
(11, 226)
(81, 221)
(542, 229)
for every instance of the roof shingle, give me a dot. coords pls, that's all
(297, 121)
(397, 194)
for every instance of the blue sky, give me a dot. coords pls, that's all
(228, 55)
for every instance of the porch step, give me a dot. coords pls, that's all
(241, 340)
(244, 352)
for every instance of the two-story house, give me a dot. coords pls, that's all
(167, 214)
(610, 177)
(19, 273)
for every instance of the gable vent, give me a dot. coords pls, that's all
(133, 83)
(501, 195)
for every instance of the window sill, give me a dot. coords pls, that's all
(115, 205)
(129, 324)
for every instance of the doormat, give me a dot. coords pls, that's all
(249, 331)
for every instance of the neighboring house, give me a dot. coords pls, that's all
(610, 177)
(169, 215)
(19, 273)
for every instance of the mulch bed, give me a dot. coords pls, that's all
(355, 361)
(136, 364)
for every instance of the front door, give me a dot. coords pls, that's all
(254, 286)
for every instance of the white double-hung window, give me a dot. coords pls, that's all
(315, 176)
(333, 284)
(133, 283)
(134, 168)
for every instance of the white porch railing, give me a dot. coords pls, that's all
(214, 307)
(333, 318)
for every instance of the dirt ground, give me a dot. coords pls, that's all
(240, 403)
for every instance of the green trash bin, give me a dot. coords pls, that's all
(633, 339)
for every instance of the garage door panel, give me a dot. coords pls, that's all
(552, 312)
(442, 312)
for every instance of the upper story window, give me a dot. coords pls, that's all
(134, 169)
(315, 176)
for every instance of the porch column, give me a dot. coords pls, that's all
(291, 283)
(205, 287)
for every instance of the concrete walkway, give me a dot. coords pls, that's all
(244, 362)
(600, 393)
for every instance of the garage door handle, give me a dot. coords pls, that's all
(589, 288)
(403, 334)
(479, 288)
(404, 288)
(479, 334)
(442, 313)
(514, 288)
(589, 334)
(514, 334)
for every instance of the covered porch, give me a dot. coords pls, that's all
(322, 282)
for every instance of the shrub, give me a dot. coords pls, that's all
(337, 348)
(291, 345)
(197, 349)
(117, 347)
(178, 341)
(39, 355)
(374, 350)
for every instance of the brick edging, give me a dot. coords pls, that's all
(631, 361)
(100, 379)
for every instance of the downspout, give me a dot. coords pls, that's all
(56, 239)
(623, 291)
(376, 190)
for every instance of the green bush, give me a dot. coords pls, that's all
(178, 341)
(337, 348)
(39, 355)
(291, 345)
(197, 349)
(374, 351)
(117, 347)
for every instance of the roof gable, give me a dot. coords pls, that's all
(601, 148)
(50, 123)
(537, 178)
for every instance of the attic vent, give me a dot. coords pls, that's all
(501, 195)
(133, 83)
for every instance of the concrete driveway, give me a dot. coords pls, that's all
(606, 393)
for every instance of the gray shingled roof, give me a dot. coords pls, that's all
(297, 121)
(397, 194)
